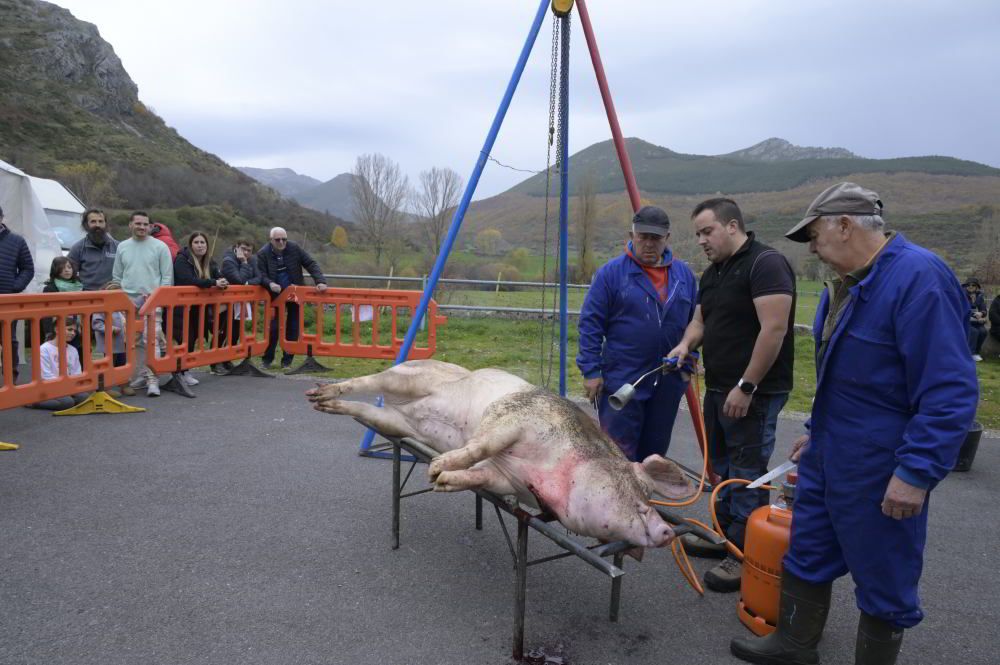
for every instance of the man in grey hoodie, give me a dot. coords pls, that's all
(94, 254)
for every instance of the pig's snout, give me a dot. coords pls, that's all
(658, 531)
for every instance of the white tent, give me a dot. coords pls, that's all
(62, 208)
(27, 204)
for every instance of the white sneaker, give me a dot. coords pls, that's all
(188, 379)
(152, 389)
(138, 382)
(978, 358)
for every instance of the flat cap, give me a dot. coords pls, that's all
(845, 198)
(651, 219)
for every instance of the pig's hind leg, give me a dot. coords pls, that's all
(410, 380)
(387, 421)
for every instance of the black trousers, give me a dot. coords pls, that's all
(291, 325)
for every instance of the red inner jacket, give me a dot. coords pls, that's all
(658, 275)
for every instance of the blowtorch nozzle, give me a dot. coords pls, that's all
(622, 397)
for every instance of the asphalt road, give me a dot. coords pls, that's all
(242, 527)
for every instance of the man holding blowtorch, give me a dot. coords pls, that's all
(896, 392)
(635, 311)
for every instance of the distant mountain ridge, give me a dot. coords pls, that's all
(777, 150)
(333, 196)
(286, 182)
(772, 165)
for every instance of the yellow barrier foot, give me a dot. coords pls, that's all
(8, 446)
(99, 402)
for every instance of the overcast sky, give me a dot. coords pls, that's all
(311, 84)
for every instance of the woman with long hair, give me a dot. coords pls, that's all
(194, 266)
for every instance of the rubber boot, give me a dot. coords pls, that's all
(802, 612)
(878, 642)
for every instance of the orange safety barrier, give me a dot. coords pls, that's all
(340, 335)
(182, 307)
(98, 372)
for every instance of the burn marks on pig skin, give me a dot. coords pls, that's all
(558, 421)
(555, 418)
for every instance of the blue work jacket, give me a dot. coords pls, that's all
(624, 329)
(897, 374)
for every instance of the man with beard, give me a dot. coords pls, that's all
(744, 324)
(94, 254)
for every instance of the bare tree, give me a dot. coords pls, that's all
(585, 228)
(379, 191)
(440, 189)
(987, 254)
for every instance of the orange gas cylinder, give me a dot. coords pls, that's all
(767, 535)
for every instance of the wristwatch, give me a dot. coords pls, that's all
(747, 387)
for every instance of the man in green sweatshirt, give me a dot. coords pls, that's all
(143, 265)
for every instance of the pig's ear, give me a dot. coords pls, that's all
(668, 479)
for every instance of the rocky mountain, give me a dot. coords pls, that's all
(773, 165)
(332, 196)
(780, 150)
(68, 109)
(286, 182)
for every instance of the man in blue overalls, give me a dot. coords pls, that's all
(896, 393)
(635, 312)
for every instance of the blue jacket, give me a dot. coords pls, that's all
(897, 373)
(624, 329)
(16, 267)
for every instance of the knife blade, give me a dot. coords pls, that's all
(772, 474)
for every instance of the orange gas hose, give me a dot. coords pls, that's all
(676, 546)
(684, 565)
(737, 552)
(704, 459)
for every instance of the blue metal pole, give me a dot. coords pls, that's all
(563, 198)
(470, 189)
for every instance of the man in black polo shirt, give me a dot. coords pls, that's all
(744, 320)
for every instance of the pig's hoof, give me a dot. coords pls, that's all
(453, 460)
(325, 392)
(444, 482)
(330, 406)
(435, 469)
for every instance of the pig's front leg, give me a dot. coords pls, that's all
(491, 438)
(480, 477)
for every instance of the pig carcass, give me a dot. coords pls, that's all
(498, 432)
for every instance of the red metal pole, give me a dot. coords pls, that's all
(609, 107)
(693, 398)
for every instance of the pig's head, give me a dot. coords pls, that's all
(609, 499)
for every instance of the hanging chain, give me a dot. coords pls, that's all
(563, 59)
(553, 89)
